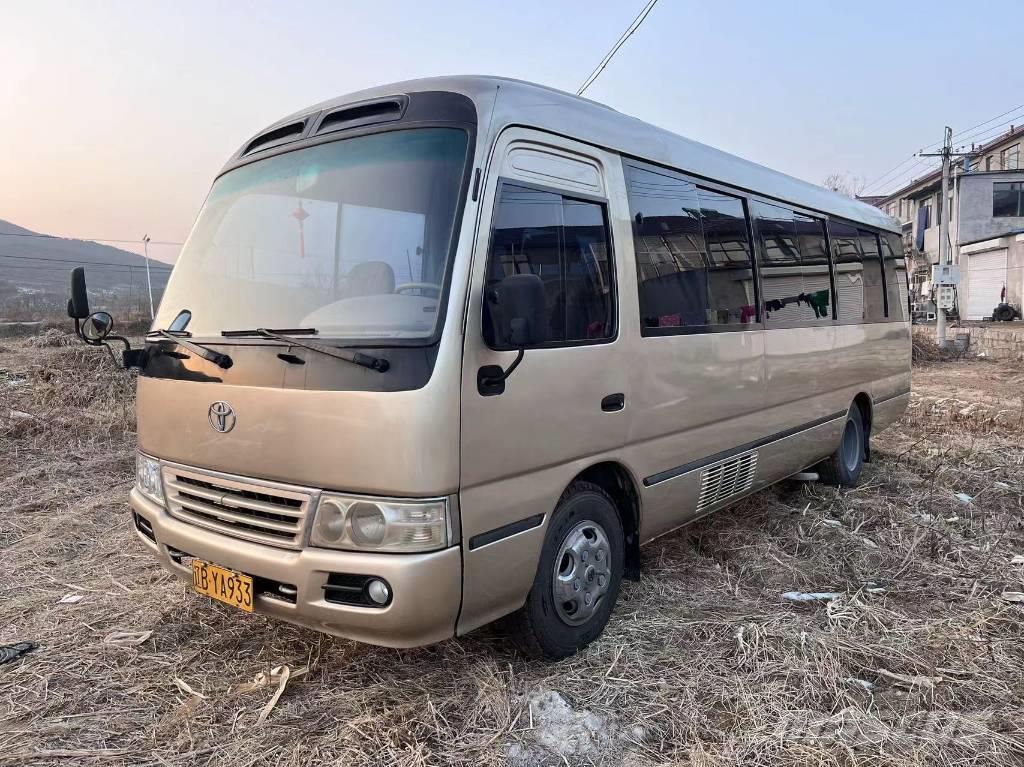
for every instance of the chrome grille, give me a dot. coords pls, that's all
(727, 478)
(262, 512)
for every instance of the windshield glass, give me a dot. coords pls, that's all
(351, 237)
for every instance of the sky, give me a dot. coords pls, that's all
(115, 116)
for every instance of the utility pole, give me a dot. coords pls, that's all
(149, 281)
(945, 286)
(940, 323)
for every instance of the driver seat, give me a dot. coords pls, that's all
(370, 278)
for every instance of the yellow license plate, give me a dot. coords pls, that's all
(222, 584)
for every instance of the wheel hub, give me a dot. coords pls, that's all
(582, 573)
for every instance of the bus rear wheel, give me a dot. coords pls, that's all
(843, 468)
(578, 577)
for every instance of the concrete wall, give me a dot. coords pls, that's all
(996, 341)
(976, 221)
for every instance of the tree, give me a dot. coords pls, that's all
(844, 183)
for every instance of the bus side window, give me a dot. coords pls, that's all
(848, 267)
(874, 285)
(564, 241)
(795, 280)
(693, 260)
(894, 267)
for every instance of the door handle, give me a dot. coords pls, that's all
(613, 403)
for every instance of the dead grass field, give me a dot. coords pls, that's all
(918, 661)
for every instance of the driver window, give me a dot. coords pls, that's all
(565, 242)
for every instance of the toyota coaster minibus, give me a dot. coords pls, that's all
(452, 349)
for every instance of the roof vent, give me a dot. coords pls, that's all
(274, 137)
(367, 113)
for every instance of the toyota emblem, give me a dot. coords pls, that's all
(222, 417)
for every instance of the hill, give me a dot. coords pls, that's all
(35, 267)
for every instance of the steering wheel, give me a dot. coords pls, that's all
(406, 286)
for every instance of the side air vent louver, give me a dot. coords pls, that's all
(726, 479)
(362, 114)
(275, 137)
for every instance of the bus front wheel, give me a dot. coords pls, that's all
(578, 578)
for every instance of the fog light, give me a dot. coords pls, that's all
(378, 591)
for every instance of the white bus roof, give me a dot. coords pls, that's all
(529, 104)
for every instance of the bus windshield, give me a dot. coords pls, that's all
(351, 237)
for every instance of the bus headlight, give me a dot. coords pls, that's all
(384, 525)
(148, 479)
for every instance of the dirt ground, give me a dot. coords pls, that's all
(913, 655)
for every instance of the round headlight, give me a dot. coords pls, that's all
(368, 525)
(330, 522)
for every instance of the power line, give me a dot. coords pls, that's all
(918, 170)
(1009, 111)
(79, 262)
(615, 48)
(86, 239)
(990, 134)
(958, 136)
(886, 175)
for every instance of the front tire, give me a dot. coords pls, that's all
(578, 577)
(843, 468)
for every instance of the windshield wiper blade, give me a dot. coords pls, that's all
(379, 364)
(217, 358)
(277, 331)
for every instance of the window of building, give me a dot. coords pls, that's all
(858, 273)
(1009, 158)
(565, 242)
(1008, 199)
(988, 163)
(694, 268)
(894, 267)
(796, 283)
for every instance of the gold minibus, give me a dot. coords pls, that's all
(453, 349)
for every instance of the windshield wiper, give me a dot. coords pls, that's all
(180, 337)
(286, 336)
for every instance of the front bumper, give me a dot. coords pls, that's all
(426, 588)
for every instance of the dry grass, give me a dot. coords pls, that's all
(920, 661)
(926, 349)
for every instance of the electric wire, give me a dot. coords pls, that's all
(615, 48)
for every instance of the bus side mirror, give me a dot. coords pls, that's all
(517, 314)
(78, 306)
(97, 326)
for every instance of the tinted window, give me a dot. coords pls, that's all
(692, 251)
(565, 242)
(853, 302)
(874, 287)
(895, 269)
(730, 276)
(1008, 200)
(795, 281)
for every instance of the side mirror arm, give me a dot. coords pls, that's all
(130, 358)
(504, 374)
(490, 379)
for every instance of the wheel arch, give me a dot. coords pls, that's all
(616, 480)
(863, 403)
